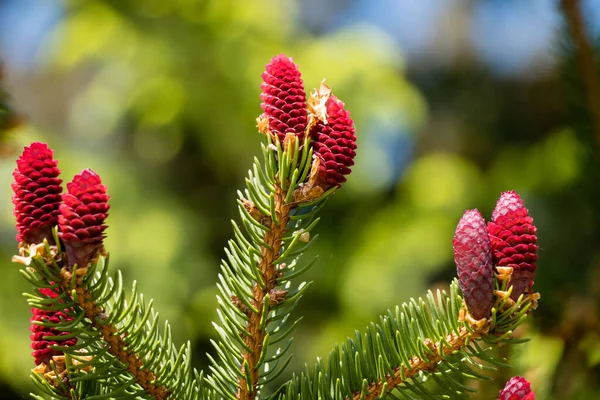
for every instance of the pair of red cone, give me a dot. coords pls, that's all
(39, 205)
(285, 107)
(508, 240)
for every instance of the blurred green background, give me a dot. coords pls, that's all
(454, 102)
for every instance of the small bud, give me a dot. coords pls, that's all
(473, 258)
(289, 143)
(39, 343)
(262, 123)
(517, 388)
(36, 197)
(284, 99)
(82, 216)
(240, 305)
(334, 143)
(513, 239)
(277, 296)
(504, 273)
(252, 210)
(305, 237)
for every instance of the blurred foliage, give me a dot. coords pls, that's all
(9, 120)
(160, 98)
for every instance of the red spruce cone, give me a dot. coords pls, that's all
(517, 388)
(283, 96)
(42, 353)
(473, 258)
(36, 197)
(513, 238)
(82, 216)
(335, 144)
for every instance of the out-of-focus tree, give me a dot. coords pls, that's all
(160, 97)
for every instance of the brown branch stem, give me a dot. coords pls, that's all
(402, 374)
(585, 60)
(117, 345)
(268, 268)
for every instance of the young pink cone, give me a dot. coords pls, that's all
(513, 238)
(81, 219)
(284, 99)
(473, 258)
(40, 338)
(36, 194)
(517, 388)
(334, 144)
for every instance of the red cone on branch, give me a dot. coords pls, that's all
(283, 96)
(517, 388)
(513, 238)
(36, 197)
(473, 258)
(41, 337)
(81, 219)
(334, 143)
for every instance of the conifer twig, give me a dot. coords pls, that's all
(300, 173)
(85, 207)
(451, 344)
(585, 61)
(269, 256)
(116, 343)
(445, 335)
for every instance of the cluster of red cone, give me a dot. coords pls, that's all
(508, 240)
(285, 108)
(38, 205)
(80, 214)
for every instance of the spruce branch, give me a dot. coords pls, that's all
(449, 345)
(90, 338)
(304, 161)
(75, 282)
(445, 336)
(81, 218)
(431, 339)
(120, 351)
(278, 213)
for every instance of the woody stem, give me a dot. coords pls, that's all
(248, 390)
